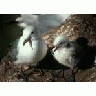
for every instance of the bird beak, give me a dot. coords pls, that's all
(54, 48)
(27, 40)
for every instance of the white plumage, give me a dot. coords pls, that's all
(31, 54)
(73, 53)
(64, 50)
(31, 47)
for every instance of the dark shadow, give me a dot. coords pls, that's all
(87, 60)
(8, 33)
(50, 63)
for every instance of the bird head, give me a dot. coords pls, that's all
(61, 42)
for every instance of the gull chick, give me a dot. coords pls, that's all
(63, 51)
(30, 48)
(73, 53)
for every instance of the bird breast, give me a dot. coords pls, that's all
(64, 56)
(28, 54)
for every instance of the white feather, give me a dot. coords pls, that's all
(39, 24)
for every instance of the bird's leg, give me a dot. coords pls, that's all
(23, 74)
(25, 77)
(70, 78)
(74, 71)
(41, 70)
(62, 74)
(73, 74)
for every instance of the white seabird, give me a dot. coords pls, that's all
(31, 47)
(73, 53)
(33, 51)
(63, 51)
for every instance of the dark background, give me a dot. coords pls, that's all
(8, 33)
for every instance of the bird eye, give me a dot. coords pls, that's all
(68, 45)
(32, 32)
(61, 43)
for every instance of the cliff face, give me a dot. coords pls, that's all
(78, 25)
(82, 25)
